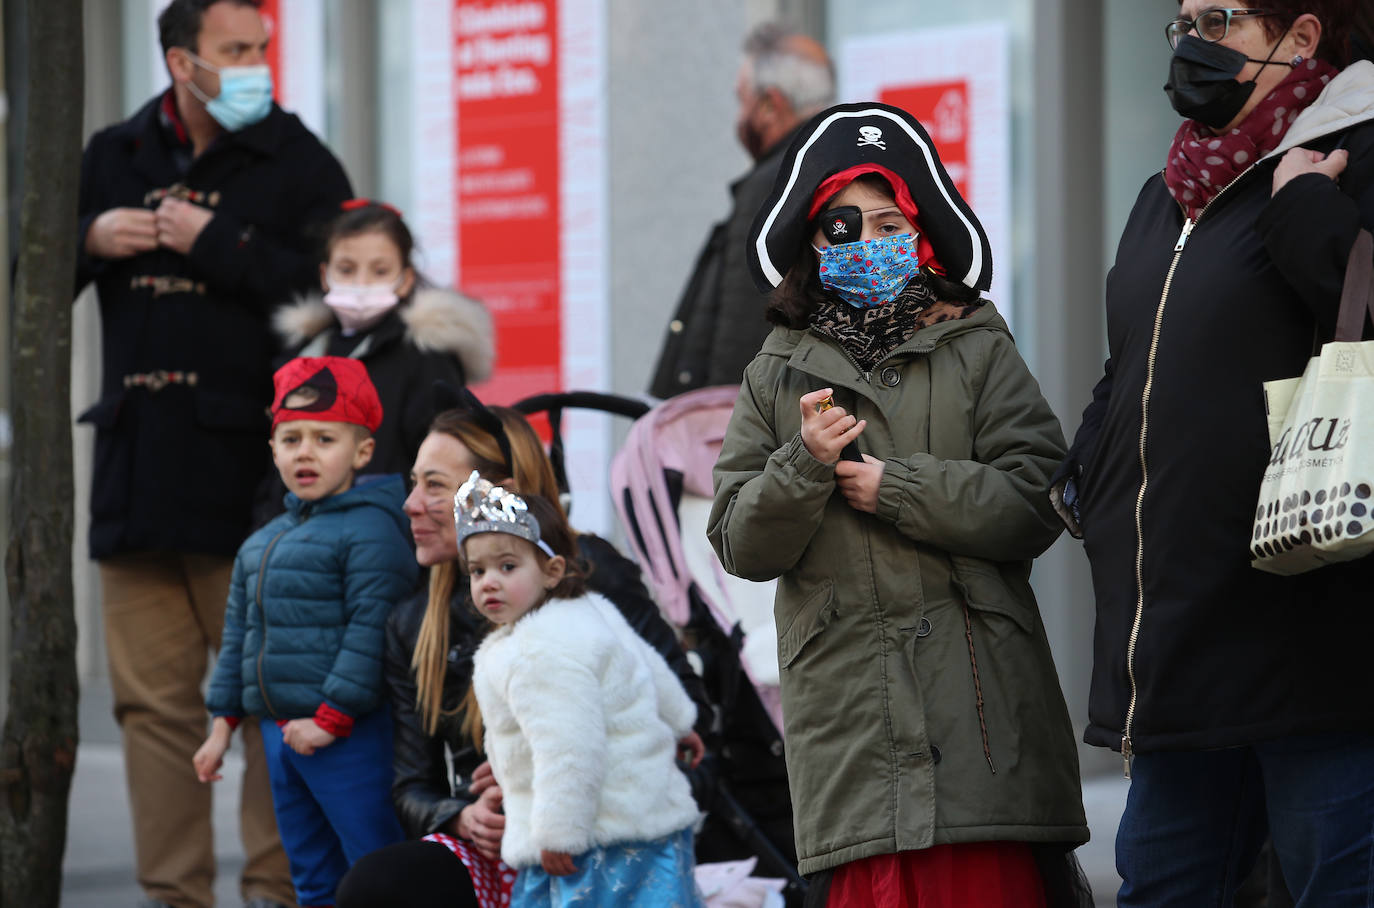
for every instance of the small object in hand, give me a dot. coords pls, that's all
(825, 404)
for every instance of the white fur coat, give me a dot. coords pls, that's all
(437, 320)
(582, 723)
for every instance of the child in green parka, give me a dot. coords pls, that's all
(887, 461)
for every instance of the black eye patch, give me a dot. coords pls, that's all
(842, 225)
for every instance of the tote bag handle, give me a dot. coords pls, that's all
(1357, 296)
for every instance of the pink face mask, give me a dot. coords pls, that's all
(360, 306)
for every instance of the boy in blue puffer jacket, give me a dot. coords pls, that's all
(305, 628)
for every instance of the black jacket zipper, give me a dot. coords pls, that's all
(1189, 224)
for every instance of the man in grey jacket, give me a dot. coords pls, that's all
(784, 78)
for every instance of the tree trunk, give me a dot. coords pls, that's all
(38, 748)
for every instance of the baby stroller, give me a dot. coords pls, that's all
(661, 483)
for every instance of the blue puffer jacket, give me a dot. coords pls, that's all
(305, 624)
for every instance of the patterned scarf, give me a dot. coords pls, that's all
(869, 335)
(1202, 164)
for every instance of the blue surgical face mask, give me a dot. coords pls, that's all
(870, 272)
(245, 93)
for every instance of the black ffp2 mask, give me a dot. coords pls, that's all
(1202, 82)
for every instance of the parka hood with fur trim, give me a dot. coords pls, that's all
(436, 320)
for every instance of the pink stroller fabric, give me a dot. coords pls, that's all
(684, 433)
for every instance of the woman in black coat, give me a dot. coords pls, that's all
(1241, 701)
(431, 639)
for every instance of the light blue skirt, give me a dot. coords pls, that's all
(655, 874)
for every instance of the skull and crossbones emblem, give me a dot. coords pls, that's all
(838, 228)
(871, 135)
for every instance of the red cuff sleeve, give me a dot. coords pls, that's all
(331, 720)
(233, 721)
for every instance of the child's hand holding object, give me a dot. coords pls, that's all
(826, 428)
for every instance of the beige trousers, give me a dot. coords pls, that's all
(164, 613)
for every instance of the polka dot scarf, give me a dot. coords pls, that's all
(1202, 164)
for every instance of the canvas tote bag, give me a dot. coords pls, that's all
(1316, 503)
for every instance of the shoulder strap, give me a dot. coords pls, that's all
(1357, 295)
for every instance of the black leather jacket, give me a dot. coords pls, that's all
(425, 796)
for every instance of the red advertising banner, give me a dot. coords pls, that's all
(943, 109)
(507, 184)
(271, 17)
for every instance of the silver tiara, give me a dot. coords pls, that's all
(481, 506)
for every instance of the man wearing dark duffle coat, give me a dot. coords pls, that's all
(197, 216)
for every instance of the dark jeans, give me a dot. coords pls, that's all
(1195, 821)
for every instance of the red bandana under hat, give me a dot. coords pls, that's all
(831, 185)
(337, 388)
(1202, 164)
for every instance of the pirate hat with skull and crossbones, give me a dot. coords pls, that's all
(838, 144)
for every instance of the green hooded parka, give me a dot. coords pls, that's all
(921, 703)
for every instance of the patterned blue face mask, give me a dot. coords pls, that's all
(245, 94)
(872, 272)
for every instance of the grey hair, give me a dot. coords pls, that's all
(807, 85)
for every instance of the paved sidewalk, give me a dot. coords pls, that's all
(98, 871)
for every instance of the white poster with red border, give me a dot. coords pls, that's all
(954, 80)
(509, 198)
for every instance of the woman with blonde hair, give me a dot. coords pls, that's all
(431, 639)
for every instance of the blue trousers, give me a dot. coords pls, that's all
(1195, 820)
(333, 806)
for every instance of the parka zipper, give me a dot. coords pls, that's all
(262, 613)
(1188, 225)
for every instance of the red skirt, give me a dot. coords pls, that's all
(968, 875)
